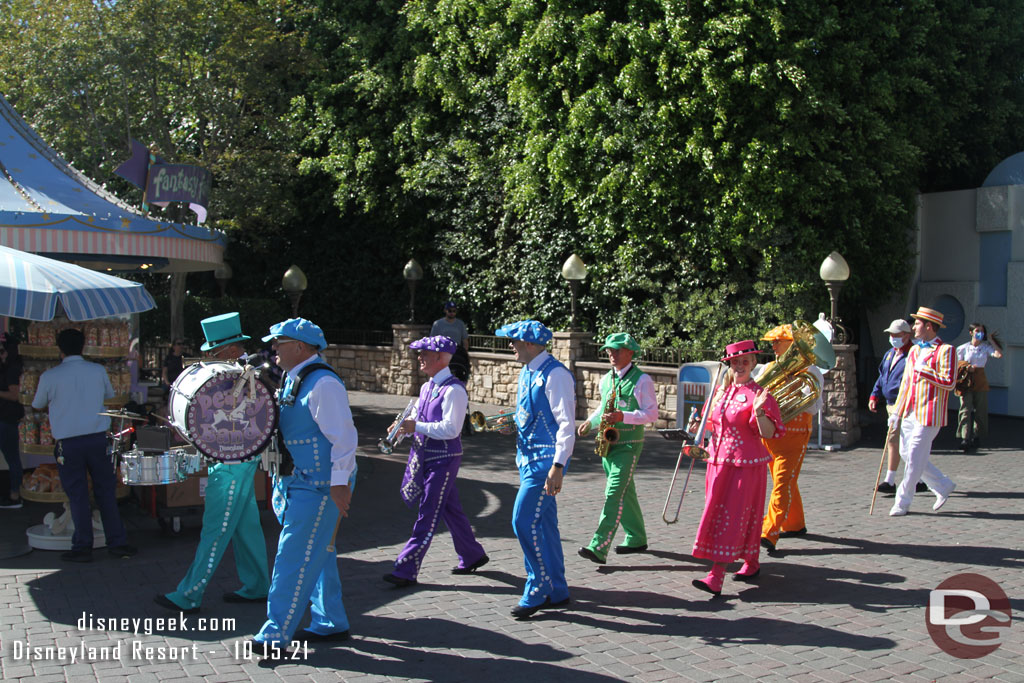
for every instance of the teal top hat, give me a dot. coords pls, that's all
(222, 329)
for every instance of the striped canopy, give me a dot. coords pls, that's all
(30, 286)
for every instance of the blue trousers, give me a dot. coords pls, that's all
(306, 569)
(440, 500)
(86, 456)
(535, 521)
(230, 515)
(12, 454)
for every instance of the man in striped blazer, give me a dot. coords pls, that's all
(921, 407)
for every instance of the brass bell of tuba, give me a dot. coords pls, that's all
(784, 379)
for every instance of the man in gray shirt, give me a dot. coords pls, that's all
(450, 326)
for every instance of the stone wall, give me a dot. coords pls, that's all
(494, 377)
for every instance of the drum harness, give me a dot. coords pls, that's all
(283, 465)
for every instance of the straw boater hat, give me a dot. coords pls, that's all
(780, 333)
(741, 348)
(929, 314)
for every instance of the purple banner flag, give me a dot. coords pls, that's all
(180, 183)
(134, 170)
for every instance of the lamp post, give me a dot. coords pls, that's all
(835, 271)
(574, 270)
(222, 274)
(413, 273)
(294, 284)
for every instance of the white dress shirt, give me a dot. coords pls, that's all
(645, 397)
(328, 404)
(453, 410)
(975, 355)
(560, 390)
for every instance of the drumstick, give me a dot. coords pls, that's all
(878, 479)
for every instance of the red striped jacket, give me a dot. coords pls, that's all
(924, 391)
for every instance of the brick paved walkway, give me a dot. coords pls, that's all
(845, 602)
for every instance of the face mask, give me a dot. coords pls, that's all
(897, 343)
(979, 336)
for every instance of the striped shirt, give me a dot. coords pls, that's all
(924, 391)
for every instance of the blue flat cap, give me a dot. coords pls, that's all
(526, 330)
(435, 343)
(300, 329)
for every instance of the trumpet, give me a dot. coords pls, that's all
(502, 422)
(694, 451)
(394, 437)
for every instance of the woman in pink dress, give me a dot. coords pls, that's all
(742, 413)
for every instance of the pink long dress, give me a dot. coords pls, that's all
(737, 475)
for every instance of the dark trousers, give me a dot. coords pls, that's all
(12, 453)
(86, 456)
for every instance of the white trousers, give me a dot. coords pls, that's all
(916, 451)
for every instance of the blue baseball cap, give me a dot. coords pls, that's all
(301, 329)
(532, 331)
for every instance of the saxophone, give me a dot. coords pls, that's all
(606, 433)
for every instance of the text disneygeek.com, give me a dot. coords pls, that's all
(135, 649)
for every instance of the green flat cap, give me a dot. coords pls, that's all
(620, 340)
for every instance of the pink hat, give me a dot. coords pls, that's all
(741, 348)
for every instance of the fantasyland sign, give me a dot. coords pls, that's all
(164, 183)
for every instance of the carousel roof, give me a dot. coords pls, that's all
(47, 206)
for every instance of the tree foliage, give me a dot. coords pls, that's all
(701, 157)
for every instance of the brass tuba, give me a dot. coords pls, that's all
(784, 379)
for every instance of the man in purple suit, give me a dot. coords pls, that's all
(434, 459)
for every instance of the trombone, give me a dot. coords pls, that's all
(502, 422)
(694, 451)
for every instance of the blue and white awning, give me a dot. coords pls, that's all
(30, 286)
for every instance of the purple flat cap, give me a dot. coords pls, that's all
(436, 343)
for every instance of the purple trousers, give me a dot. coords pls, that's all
(439, 501)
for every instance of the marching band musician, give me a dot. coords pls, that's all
(928, 379)
(317, 429)
(635, 405)
(434, 460)
(742, 414)
(545, 419)
(231, 513)
(785, 515)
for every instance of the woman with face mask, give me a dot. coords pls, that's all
(975, 400)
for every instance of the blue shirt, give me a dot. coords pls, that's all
(74, 391)
(887, 386)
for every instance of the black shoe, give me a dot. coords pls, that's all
(123, 551)
(473, 567)
(793, 534)
(965, 446)
(310, 636)
(77, 556)
(524, 612)
(235, 597)
(398, 581)
(166, 603)
(554, 605)
(886, 487)
(629, 549)
(7, 503)
(921, 487)
(590, 555)
(746, 577)
(768, 545)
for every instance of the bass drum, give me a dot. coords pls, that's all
(205, 411)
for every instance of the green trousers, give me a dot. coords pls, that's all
(620, 502)
(231, 516)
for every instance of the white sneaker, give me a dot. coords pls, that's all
(940, 498)
(897, 511)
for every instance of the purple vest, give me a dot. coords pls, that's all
(431, 398)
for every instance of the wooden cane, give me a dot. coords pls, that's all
(878, 479)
